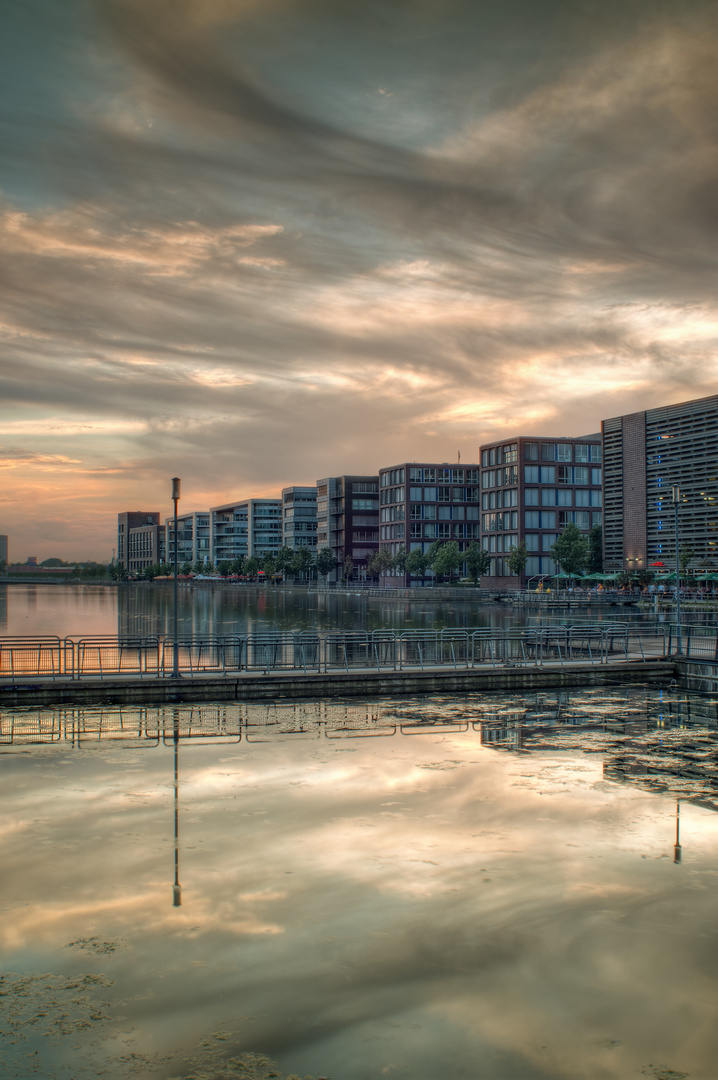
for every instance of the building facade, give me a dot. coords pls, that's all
(126, 522)
(299, 518)
(192, 536)
(249, 527)
(424, 502)
(531, 489)
(348, 521)
(146, 547)
(646, 454)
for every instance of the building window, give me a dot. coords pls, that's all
(548, 497)
(416, 494)
(532, 519)
(531, 474)
(580, 475)
(547, 541)
(596, 452)
(581, 452)
(564, 452)
(564, 498)
(548, 474)
(430, 494)
(548, 451)
(583, 498)
(531, 451)
(596, 477)
(532, 541)
(531, 496)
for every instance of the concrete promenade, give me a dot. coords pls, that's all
(258, 686)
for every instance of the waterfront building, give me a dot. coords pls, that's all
(146, 546)
(299, 517)
(192, 537)
(423, 502)
(348, 521)
(646, 454)
(531, 489)
(247, 527)
(127, 521)
(3, 548)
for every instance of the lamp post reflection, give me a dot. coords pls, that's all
(175, 651)
(176, 888)
(677, 849)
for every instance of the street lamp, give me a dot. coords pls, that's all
(175, 659)
(676, 497)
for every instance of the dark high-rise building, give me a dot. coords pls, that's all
(531, 489)
(137, 519)
(646, 454)
(348, 521)
(424, 502)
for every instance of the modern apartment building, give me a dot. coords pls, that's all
(348, 521)
(192, 536)
(423, 502)
(146, 546)
(531, 488)
(127, 521)
(646, 454)
(248, 527)
(299, 517)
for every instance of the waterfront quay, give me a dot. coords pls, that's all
(296, 665)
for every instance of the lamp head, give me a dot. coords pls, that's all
(176, 487)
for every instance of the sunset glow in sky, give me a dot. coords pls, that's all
(256, 243)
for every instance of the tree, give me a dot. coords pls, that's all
(399, 560)
(237, 565)
(198, 567)
(685, 556)
(302, 561)
(348, 568)
(446, 560)
(52, 562)
(379, 563)
(417, 562)
(595, 550)
(251, 567)
(478, 561)
(269, 565)
(285, 557)
(223, 567)
(326, 561)
(570, 551)
(185, 568)
(517, 559)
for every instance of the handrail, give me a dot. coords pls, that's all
(266, 651)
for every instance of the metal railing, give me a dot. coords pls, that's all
(695, 641)
(25, 658)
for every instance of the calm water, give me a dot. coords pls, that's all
(85, 610)
(482, 887)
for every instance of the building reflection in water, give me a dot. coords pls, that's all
(662, 743)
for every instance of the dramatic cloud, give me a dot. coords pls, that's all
(254, 244)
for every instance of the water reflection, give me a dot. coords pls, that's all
(367, 887)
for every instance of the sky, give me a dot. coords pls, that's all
(252, 243)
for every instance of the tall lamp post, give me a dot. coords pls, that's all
(676, 496)
(175, 652)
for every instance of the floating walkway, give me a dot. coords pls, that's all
(286, 665)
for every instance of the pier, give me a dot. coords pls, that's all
(294, 665)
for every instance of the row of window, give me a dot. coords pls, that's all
(506, 477)
(495, 500)
(509, 519)
(562, 497)
(442, 476)
(500, 543)
(549, 519)
(500, 455)
(563, 474)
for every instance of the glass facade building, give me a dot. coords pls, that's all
(531, 489)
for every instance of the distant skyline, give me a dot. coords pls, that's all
(253, 244)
